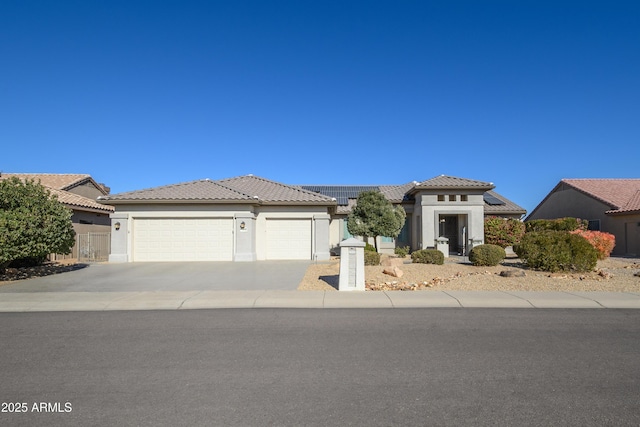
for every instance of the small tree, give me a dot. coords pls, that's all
(33, 223)
(503, 231)
(375, 216)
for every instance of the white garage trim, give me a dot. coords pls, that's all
(182, 239)
(288, 238)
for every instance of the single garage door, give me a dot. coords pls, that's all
(183, 239)
(288, 239)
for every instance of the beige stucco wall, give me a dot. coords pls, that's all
(427, 212)
(87, 190)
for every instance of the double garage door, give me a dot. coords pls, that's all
(211, 239)
(183, 239)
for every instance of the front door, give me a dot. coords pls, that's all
(449, 229)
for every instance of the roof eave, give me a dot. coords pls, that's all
(174, 201)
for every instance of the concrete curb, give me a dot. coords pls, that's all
(166, 300)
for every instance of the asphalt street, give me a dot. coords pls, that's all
(362, 367)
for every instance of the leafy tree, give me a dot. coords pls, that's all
(375, 216)
(503, 231)
(32, 222)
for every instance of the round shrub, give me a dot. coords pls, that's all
(401, 251)
(556, 251)
(369, 248)
(428, 256)
(371, 258)
(488, 255)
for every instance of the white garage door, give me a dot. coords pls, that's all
(288, 239)
(183, 239)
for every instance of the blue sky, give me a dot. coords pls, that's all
(146, 93)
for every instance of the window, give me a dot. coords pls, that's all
(452, 197)
(385, 239)
(464, 198)
(441, 197)
(594, 225)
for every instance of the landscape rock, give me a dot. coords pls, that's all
(391, 262)
(512, 273)
(393, 271)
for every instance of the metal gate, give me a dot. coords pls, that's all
(93, 247)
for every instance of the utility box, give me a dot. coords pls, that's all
(351, 265)
(442, 244)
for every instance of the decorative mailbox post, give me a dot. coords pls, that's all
(442, 244)
(351, 265)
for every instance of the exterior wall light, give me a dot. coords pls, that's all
(242, 225)
(116, 226)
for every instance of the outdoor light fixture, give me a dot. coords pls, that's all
(242, 225)
(116, 226)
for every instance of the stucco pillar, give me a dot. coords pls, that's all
(119, 237)
(322, 235)
(245, 234)
(351, 265)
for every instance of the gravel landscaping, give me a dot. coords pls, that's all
(610, 275)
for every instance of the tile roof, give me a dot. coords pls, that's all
(59, 181)
(79, 202)
(447, 182)
(507, 208)
(274, 192)
(57, 184)
(622, 195)
(242, 189)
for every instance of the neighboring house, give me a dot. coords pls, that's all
(610, 205)
(78, 192)
(249, 218)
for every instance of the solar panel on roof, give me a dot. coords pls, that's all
(342, 193)
(492, 200)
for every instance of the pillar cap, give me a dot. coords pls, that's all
(352, 242)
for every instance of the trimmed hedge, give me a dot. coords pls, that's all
(428, 256)
(560, 224)
(368, 247)
(557, 251)
(371, 258)
(488, 255)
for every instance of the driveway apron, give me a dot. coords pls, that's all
(170, 276)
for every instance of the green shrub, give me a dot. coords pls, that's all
(28, 261)
(428, 256)
(503, 231)
(560, 224)
(369, 248)
(489, 255)
(556, 251)
(371, 258)
(401, 251)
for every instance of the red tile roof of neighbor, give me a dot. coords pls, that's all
(59, 183)
(622, 195)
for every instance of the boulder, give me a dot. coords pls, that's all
(393, 271)
(391, 262)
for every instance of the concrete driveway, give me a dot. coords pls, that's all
(170, 276)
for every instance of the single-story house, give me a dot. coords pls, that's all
(249, 218)
(610, 205)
